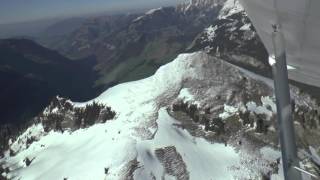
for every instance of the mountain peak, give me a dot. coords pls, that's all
(199, 4)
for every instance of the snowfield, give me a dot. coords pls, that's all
(143, 141)
(202, 158)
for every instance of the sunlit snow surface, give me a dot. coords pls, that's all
(202, 158)
(141, 126)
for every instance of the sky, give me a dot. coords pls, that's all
(12, 11)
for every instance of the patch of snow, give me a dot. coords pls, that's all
(268, 107)
(186, 96)
(151, 11)
(138, 18)
(270, 154)
(230, 7)
(87, 46)
(253, 107)
(54, 110)
(245, 27)
(268, 101)
(228, 111)
(210, 32)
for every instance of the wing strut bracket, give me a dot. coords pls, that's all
(284, 109)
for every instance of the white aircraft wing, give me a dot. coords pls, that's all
(299, 21)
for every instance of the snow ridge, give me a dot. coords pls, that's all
(130, 142)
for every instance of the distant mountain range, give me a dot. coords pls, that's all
(131, 47)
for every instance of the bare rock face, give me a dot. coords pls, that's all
(172, 162)
(129, 170)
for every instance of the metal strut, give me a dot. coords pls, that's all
(284, 110)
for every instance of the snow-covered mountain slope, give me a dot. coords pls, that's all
(187, 121)
(233, 37)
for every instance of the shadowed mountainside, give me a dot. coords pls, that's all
(32, 75)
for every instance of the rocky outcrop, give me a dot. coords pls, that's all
(62, 115)
(173, 162)
(233, 37)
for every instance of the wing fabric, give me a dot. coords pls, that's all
(300, 23)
